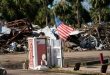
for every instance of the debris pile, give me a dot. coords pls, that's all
(96, 37)
(90, 37)
(14, 31)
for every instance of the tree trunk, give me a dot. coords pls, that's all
(78, 14)
(46, 20)
(99, 17)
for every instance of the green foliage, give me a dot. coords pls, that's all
(100, 10)
(35, 10)
(99, 3)
(70, 11)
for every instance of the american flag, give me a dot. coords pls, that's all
(62, 29)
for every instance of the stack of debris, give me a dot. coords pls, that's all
(96, 37)
(17, 30)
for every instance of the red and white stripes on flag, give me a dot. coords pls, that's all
(64, 31)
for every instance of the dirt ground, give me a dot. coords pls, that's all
(30, 72)
(84, 56)
(69, 57)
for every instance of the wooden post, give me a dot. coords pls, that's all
(77, 66)
(101, 58)
(104, 68)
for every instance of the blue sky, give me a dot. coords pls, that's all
(86, 5)
(56, 1)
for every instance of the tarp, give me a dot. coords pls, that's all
(4, 30)
(47, 32)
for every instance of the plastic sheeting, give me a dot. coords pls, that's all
(4, 30)
(47, 32)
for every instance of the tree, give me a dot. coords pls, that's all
(100, 10)
(73, 12)
(64, 11)
(35, 10)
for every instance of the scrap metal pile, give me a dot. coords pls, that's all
(17, 30)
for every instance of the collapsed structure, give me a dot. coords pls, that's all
(92, 37)
(18, 30)
(15, 31)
